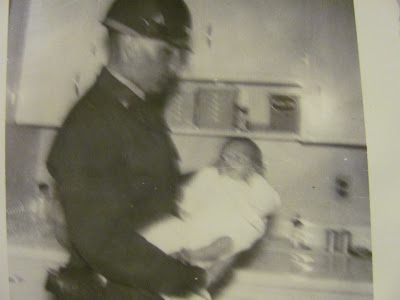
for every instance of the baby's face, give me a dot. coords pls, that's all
(237, 162)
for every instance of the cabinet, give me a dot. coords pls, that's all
(232, 108)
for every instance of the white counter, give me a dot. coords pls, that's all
(273, 269)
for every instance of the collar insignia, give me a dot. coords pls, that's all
(159, 19)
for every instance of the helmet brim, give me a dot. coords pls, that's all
(181, 43)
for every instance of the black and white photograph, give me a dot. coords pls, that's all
(186, 149)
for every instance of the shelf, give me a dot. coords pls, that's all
(266, 135)
(270, 81)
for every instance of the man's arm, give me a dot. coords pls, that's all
(139, 263)
(212, 252)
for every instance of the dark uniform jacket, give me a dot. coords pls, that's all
(115, 167)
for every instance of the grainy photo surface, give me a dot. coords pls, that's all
(186, 149)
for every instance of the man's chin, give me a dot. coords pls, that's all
(160, 95)
(170, 86)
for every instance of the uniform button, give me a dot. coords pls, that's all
(124, 102)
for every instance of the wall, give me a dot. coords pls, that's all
(64, 49)
(15, 47)
(22, 150)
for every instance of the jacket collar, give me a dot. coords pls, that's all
(131, 101)
(129, 84)
(125, 95)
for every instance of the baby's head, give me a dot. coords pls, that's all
(240, 158)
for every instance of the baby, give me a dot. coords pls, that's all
(223, 211)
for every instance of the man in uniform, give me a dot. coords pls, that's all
(115, 166)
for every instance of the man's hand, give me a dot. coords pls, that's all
(184, 255)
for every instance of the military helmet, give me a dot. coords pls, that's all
(167, 20)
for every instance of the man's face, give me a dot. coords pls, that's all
(159, 64)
